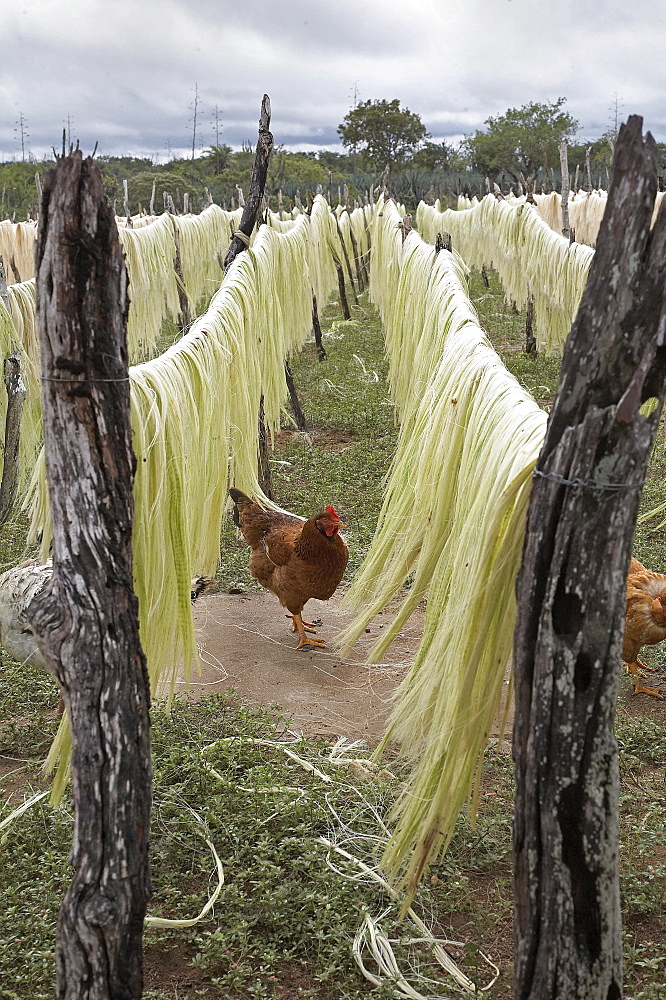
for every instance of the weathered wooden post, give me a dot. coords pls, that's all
(262, 155)
(14, 267)
(294, 401)
(316, 327)
(126, 205)
(530, 339)
(16, 393)
(344, 305)
(564, 167)
(183, 301)
(239, 241)
(346, 258)
(571, 600)
(3, 285)
(86, 620)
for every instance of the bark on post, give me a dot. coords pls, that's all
(588, 172)
(86, 620)
(14, 267)
(240, 241)
(264, 476)
(316, 326)
(128, 214)
(571, 601)
(183, 301)
(296, 407)
(346, 257)
(405, 225)
(564, 167)
(262, 156)
(3, 285)
(16, 393)
(346, 314)
(357, 257)
(530, 339)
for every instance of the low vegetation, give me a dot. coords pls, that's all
(285, 920)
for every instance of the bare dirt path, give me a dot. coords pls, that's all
(246, 644)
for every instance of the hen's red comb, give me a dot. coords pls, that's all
(331, 510)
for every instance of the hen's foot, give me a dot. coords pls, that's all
(309, 641)
(303, 628)
(635, 668)
(307, 626)
(640, 688)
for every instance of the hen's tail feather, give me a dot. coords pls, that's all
(238, 497)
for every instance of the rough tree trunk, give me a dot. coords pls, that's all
(571, 601)
(86, 620)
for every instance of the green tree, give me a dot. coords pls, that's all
(433, 156)
(296, 168)
(219, 156)
(382, 132)
(521, 140)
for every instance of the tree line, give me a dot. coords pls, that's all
(517, 148)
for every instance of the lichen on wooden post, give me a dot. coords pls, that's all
(86, 619)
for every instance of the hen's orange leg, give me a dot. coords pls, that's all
(639, 687)
(305, 639)
(308, 626)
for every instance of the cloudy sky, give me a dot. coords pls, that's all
(125, 71)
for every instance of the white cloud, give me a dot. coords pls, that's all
(126, 71)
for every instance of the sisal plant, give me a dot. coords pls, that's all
(452, 524)
(194, 412)
(529, 257)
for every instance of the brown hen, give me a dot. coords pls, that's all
(293, 558)
(645, 624)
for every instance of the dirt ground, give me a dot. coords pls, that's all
(246, 643)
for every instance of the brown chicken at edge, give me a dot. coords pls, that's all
(645, 624)
(294, 559)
